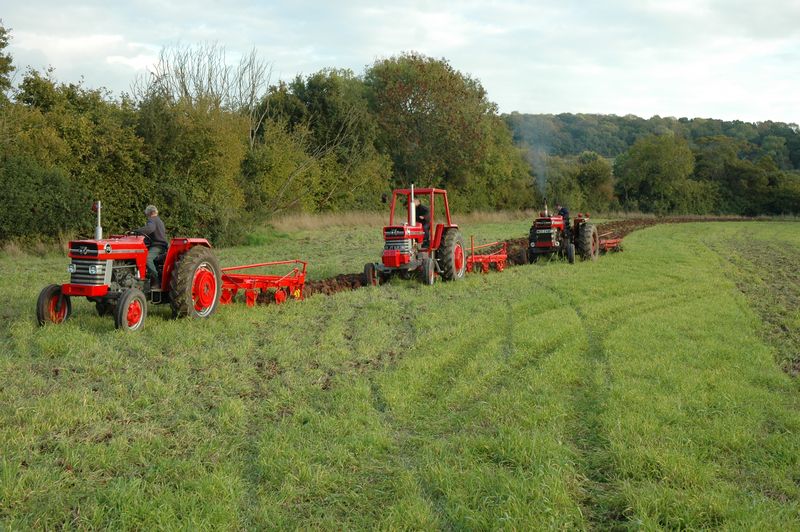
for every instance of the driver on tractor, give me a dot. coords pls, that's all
(564, 213)
(156, 240)
(423, 217)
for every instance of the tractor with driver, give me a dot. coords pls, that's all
(427, 247)
(112, 273)
(554, 235)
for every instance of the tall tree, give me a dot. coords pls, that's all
(433, 118)
(6, 66)
(652, 170)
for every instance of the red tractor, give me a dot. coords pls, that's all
(410, 246)
(112, 273)
(551, 235)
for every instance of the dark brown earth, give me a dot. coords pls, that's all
(517, 248)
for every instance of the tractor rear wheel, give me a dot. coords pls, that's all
(588, 242)
(570, 252)
(131, 310)
(52, 306)
(196, 284)
(429, 271)
(451, 256)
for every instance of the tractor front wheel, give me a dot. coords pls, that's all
(429, 271)
(131, 310)
(196, 284)
(451, 256)
(104, 308)
(570, 252)
(52, 306)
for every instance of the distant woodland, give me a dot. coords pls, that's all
(221, 147)
(663, 165)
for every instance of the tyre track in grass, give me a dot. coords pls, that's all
(591, 403)
(446, 400)
(600, 506)
(264, 370)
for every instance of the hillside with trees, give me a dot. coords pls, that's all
(663, 165)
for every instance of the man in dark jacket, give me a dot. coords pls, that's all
(423, 217)
(564, 213)
(154, 229)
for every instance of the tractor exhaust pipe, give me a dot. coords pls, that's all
(412, 212)
(546, 212)
(98, 230)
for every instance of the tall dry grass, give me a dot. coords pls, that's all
(305, 221)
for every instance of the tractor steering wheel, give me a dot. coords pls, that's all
(147, 239)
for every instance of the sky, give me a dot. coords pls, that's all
(727, 59)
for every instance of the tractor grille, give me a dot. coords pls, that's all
(81, 275)
(541, 236)
(403, 246)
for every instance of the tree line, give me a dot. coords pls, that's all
(219, 147)
(663, 165)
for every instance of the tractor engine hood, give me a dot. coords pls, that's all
(111, 248)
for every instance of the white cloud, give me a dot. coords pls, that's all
(731, 59)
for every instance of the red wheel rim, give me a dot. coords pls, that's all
(204, 289)
(458, 257)
(134, 314)
(57, 316)
(280, 296)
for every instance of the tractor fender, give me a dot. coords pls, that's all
(177, 247)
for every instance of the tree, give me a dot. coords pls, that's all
(330, 112)
(434, 120)
(652, 170)
(596, 180)
(82, 134)
(6, 66)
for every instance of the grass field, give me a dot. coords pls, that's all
(650, 389)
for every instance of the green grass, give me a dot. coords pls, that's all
(644, 390)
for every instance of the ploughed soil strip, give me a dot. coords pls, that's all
(517, 248)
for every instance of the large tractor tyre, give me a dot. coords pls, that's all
(196, 284)
(52, 306)
(131, 310)
(429, 271)
(451, 256)
(588, 242)
(371, 277)
(569, 251)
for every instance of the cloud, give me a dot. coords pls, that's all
(731, 59)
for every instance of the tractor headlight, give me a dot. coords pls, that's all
(92, 270)
(72, 268)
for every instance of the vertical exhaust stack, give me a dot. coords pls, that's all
(98, 230)
(546, 211)
(412, 211)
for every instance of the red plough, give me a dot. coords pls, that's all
(282, 286)
(610, 244)
(498, 256)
